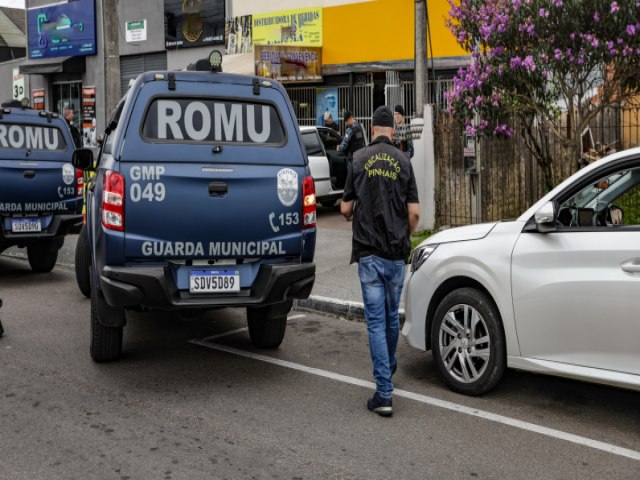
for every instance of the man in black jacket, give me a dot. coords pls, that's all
(354, 136)
(75, 133)
(382, 196)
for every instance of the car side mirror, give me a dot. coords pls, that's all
(546, 218)
(83, 159)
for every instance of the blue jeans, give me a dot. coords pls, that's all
(381, 281)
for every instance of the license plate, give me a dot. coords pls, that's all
(22, 225)
(214, 281)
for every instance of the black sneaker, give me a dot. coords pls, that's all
(382, 406)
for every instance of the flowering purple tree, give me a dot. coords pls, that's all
(552, 64)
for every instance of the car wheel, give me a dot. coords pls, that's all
(267, 325)
(328, 203)
(41, 258)
(83, 262)
(467, 342)
(106, 342)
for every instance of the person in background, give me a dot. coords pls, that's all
(401, 137)
(330, 122)
(382, 197)
(75, 133)
(353, 138)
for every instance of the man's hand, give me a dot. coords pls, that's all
(346, 208)
(413, 212)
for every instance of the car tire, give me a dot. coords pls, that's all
(267, 325)
(467, 342)
(41, 258)
(106, 342)
(328, 203)
(83, 262)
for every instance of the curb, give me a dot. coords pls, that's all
(345, 309)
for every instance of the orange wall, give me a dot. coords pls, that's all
(382, 30)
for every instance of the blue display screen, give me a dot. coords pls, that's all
(63, 29)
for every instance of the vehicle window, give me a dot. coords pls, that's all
(192, 120)
(113, 124)
(330, 139)
(31, 137)
(311, 143)
(612, 200)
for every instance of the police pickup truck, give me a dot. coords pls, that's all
(202, 199)
(40, 191)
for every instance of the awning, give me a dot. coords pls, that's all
(241, 63)
(54, 65)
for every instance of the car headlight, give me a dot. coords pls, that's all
(420, 255)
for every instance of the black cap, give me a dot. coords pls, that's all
(347, 115)
(382, 117)
(399, 109)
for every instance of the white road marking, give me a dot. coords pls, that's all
(531, 427)
(294, 317)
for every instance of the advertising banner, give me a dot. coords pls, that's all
(37, 98)
(89, 116)
(289, 64)
(300, 27)
(237, 35)
(326, 103)
(62, 29)
(193, 23)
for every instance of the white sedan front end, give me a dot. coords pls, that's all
(556, 291)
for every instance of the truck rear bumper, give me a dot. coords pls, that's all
(153, 287)
(60, 226)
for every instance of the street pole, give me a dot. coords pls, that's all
(110, 30)
(420, 56)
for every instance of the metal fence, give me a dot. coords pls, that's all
(510, 180)
(357, 98)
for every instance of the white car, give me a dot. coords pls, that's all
(328, 166)
(556, 291)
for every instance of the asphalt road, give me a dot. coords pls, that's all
(193, 399)
(185, 404)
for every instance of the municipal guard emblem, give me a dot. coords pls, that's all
(68, 174)
(287, 186)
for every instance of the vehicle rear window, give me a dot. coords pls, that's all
(311, 143)
(193, 120)
(31, 137)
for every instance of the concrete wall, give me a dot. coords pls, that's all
(6, 80)
(153, 13)
(423, 162)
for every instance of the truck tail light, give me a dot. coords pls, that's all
(113, 201)
(79, 182)
(308, 203)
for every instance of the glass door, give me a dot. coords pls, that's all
(68, 94)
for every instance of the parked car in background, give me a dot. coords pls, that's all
(40, 191)
(556, 291)
(328, 166)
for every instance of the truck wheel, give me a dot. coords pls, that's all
(267, 325)
(106, 342)
(41, 258)
(83, 262)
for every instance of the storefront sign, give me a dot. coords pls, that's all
(37, 98)
(289, 64)
(301, 27)
(136, 31)
(89, 115)
(193, 23)
(62, 29)
(18, 84)
(237, 35)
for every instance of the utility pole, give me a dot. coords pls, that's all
(420, 56)
(110, 30)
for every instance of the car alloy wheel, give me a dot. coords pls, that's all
(464, 343)
(467, 341)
